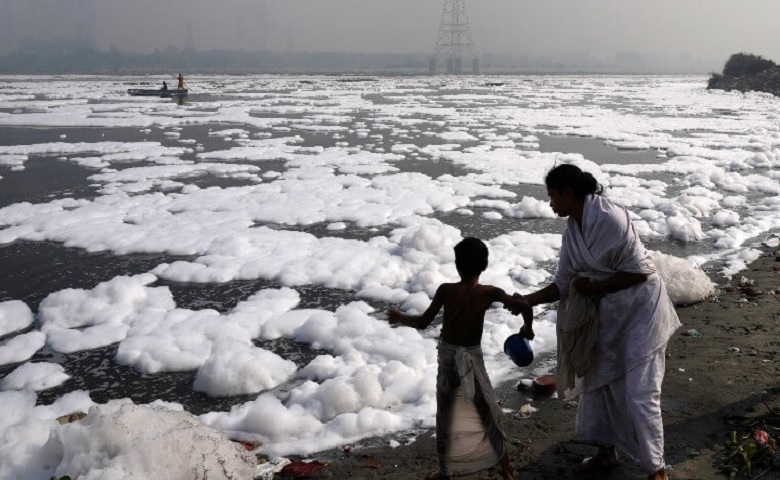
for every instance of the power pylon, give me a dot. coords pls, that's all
(454, 43)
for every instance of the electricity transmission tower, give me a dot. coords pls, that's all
(453, 43)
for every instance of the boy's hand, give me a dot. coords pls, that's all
(518, 305)
(394, 316)
(527, 331)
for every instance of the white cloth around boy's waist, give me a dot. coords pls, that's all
(467, 362)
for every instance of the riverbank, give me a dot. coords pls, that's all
(747, 72)
(719, 379)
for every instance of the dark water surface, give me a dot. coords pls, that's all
(33, 270)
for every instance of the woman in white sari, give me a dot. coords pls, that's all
(614, 321)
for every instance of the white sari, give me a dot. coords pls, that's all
(634, 322)
(634, 326)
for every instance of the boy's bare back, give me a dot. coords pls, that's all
(465, 304)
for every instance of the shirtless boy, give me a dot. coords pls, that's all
(464, 395)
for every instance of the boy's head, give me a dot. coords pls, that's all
(471, 257)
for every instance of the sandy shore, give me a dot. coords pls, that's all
(710, 389)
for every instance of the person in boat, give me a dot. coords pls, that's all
(181, 82)
(165, 85)
(464, 396)
(606, 279)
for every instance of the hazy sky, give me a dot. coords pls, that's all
(704, 28)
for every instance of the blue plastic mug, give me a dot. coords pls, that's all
(519, 350)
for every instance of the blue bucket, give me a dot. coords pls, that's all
(519, 350)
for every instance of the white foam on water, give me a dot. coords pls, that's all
(14, 315)
(21, 347)
(34, 376)
(713, 184)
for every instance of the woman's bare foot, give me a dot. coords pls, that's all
(605, 458)
(506, 468)
(659, 475)
(434, 475)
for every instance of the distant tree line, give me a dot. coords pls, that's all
(68, 56)
(73, 57)
(747, 72)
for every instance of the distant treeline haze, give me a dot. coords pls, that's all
(80, 56)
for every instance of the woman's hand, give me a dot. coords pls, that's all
(518, 305)
(586, 287)
(618, 281)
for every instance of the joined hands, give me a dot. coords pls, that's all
(521, 306)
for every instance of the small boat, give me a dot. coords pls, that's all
(157, 92)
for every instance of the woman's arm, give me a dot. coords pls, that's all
(418, 321)
(619, 281)
(548, 294)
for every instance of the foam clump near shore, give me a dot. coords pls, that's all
(685, 283)
(119, 440)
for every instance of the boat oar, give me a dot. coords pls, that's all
(188, 87)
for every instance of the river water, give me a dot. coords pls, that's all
(664, 145)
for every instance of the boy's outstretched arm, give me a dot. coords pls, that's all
(395, 316)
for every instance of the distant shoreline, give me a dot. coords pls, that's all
(73, 59)
(746, 72)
